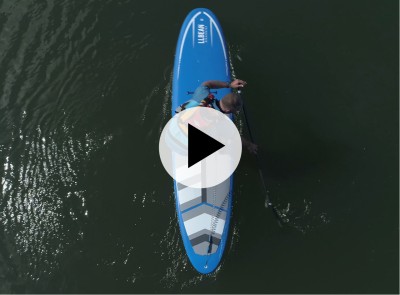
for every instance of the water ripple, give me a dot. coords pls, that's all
(41, 184)
(44, 51)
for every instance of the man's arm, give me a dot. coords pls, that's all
(215, 84)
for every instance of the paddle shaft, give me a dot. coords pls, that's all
(261, 174)
(268, 202)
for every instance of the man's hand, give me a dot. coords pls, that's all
(238, 83)
(252, 147)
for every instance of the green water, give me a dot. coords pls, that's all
(85, 205)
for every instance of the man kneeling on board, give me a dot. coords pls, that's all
(230, 103)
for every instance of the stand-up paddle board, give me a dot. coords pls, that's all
(203, 213)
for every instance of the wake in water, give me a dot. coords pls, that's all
(302, 218)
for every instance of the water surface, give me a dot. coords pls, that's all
(85, 205)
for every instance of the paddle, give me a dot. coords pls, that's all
(268, 202)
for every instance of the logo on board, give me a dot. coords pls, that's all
(202, 34)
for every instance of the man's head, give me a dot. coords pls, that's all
(231, 103)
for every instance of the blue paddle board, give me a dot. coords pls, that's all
(203, 214)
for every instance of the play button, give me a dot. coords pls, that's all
(200, 147)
